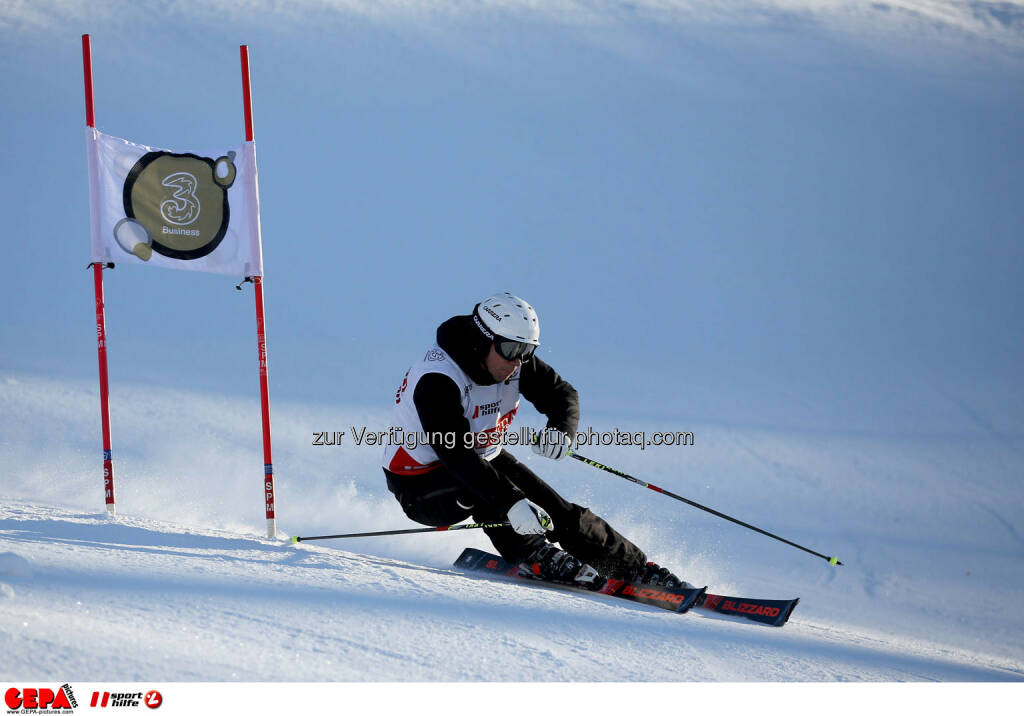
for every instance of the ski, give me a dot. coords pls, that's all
(774, 612)
(675, 600)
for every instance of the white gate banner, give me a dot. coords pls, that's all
(195, 211)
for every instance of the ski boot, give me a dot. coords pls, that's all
(552, 564)
(658, 576)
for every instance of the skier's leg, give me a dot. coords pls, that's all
(437, 499)
(511, 545)
(577, 529)
(434, 499)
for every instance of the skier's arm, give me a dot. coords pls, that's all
(552, 395)
(439, 406)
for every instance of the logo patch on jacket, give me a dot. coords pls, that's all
(487, 409)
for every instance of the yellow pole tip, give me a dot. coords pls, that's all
(834, 561)
(295, 538)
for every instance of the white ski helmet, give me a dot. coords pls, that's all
(510, 317)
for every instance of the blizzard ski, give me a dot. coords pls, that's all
(774, 612)
(675, 600)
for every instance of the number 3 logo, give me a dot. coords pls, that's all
(183, 207)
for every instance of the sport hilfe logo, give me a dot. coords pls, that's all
(104, 699)
(487, 409)
(31, 700)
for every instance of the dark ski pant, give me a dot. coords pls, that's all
(437, 499)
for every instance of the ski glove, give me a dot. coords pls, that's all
(527, 519)
(552, 443)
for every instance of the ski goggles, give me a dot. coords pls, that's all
(512, 350)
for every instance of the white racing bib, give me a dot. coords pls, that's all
(489, 409)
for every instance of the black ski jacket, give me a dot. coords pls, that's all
(438, 403)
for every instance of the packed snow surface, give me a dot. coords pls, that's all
(183, 586)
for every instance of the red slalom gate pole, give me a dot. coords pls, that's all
(268, 460)
(246, 92)
(90, 118)
(261, 332)
(101, 322)
(101, 349)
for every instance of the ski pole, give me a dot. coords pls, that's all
(446, 528)
(593, 463)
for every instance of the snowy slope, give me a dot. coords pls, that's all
(174, 604)
(183, 587)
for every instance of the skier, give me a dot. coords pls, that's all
(468, 384)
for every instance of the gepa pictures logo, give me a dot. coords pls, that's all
(40, 700)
